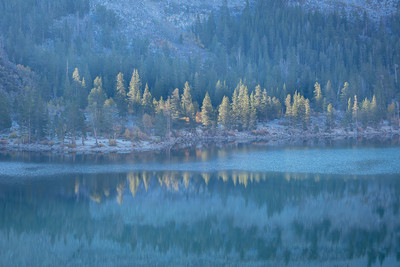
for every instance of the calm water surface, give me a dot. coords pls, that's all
(334, 205)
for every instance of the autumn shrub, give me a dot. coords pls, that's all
(13, 135)
(112, 142)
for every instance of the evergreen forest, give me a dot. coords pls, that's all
(66, 71)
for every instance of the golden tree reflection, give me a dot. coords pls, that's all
(96, 197)
(134, 182)
(120, 190)
(100, 189)
(76, 186)
(206, 177)
(186, 179)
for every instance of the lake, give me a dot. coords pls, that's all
(333, 204)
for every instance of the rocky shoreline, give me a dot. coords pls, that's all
(272, 133)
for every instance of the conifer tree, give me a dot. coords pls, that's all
(175, 103)
(220, 90)
(329, 93)
(345, 94)
(32, 114)
(168, 115)
(75, 119)
(121, 96)
(355, 110)
(348, 115)
(374, 110)
(257, 104)
(307, 112)
(318, 97)
(253, 112)
(187, 103)
(111, 120)
(266, 106)
(207, 112)
(96, 99)
(235, 108)
(365, 112)
(134, 94)
(160, 128)
(224, 113)
(329, 117)
(296, 107)
(288, 105)
(147, 101)
(244, 105)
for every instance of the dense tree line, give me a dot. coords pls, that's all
(273, 43)
(308, 63)
(270, 44)
(134, 108)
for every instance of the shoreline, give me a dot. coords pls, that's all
(272, 133)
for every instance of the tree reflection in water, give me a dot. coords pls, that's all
(221, 217)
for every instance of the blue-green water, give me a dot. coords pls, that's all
(333, 205)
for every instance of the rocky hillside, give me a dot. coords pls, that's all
(166, 22)
(376, 9)
(155, 17)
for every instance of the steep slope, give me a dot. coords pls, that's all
(375, 9)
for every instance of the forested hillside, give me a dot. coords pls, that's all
(271, 60)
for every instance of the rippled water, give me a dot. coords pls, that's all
(240, 205)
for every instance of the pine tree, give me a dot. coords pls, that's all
(111, 120)
(329, 93)
(147, 122)
(160, 128)
(79, 92)
(345, 94)
(235, 108)
(266, 106)
(295, 107)
(329, 117)
(374, 111)
(147, 101)
(134, 94)
(288, 105)
(32, 114)
(207, 112)
(121, 97)
(253, 112)
(365, 112)
(187, 104)
(318, 97)
(276, 108)
(221, 89)
(175, 102)
(96, 100)
(355, 110)
(348, 115)
(74, 93)
(307, 112)
(224, 113)
(244, 105)
(168, 115)
(258, 102)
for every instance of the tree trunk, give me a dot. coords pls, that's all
(398, 114)
(29, 130)
(168, 128)
(95, 135)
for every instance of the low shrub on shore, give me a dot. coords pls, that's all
(13, 135)
(112, 142)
